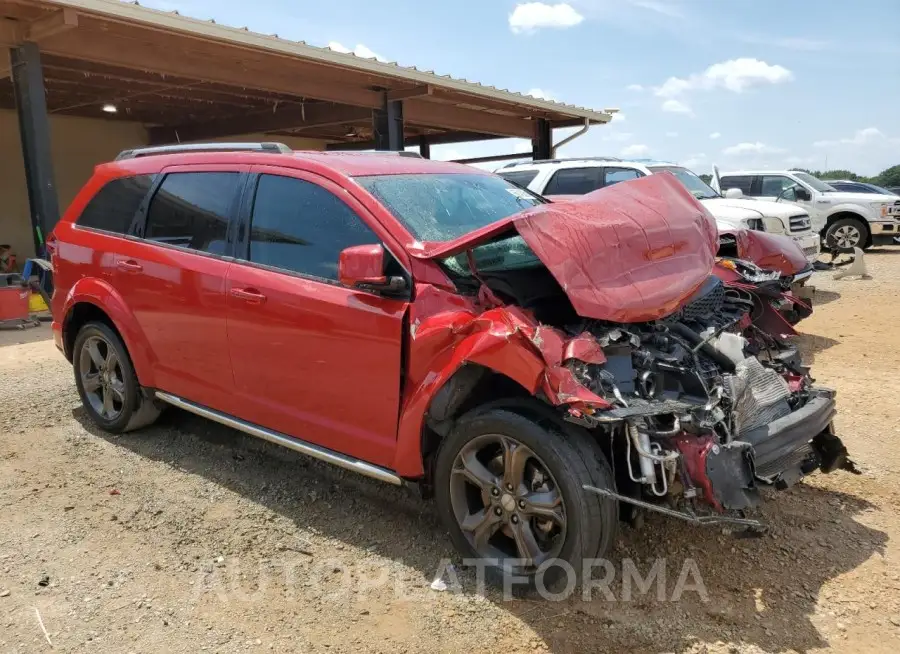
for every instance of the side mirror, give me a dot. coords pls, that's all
(801, 193)
(363, 267)
(734, 193)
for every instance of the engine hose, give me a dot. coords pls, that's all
(707, 348)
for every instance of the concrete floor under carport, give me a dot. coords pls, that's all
(77, 144)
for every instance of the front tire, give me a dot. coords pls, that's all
(847, 233)
(107, 383)
(509, 490)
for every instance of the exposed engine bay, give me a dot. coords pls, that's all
(704, 409)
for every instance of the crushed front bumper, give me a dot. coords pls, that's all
(788, 448)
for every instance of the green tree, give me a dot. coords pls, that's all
(888, 177)
(706, 178)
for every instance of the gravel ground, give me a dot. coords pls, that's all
(189, 537)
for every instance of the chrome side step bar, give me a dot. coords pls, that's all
(321, 453)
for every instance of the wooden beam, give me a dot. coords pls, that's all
(291, 117)
(59, 21)
(414, 92)
(10, 33)
(236, 68)
(433, 114)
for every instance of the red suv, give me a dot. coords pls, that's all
(543, 369)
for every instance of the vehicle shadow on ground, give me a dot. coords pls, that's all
(760, 591)
(823, 297)
(811, 345)
(14, 336)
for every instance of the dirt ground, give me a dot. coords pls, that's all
(190, 537)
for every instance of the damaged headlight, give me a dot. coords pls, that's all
(750, 271)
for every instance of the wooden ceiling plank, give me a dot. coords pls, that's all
(51, 25)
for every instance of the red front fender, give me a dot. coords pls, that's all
(505, 340)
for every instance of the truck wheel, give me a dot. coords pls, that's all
(846, 234)
(509, 491)
(107, 383)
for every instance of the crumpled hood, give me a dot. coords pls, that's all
(631, 252)
(770, 251)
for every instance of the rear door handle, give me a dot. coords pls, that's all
(129, 265)
(250, 295)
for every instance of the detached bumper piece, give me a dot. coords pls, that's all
(801, 442)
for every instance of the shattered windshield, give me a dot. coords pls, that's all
(698, 188)
(442, 207)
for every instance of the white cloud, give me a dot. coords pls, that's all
(360, 51)
(618, 137)
(672, 135)
(618, 117)
(752, 148)
(659, 6)
(634, 87)
(694, 160)
(736, 75)
(541, 94)
(676, 107)
(715, 135)
(635, 150)
(862, 137)
(800, 161)
(530, 16)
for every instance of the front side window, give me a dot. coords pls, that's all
(114, 205)
(442, 207)
(814, 182)
(575, 181)
(301, 227)
(778, 186)
(191, 210)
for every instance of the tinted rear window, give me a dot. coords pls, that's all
(190, 210)
(520, 177)
(575, 181)
(114, 205)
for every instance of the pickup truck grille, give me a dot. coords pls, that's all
(800, 223)
(811, 250)
(756, 224)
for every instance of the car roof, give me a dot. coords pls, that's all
(781, 171)
(351, 164)
(587, 162)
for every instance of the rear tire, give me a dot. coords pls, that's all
(847, 233)
(107, 383)
(561, 459)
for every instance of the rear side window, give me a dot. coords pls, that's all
(616, 175)
(115, 204)
(743, 182)
(520, 177)
(575, 181)
(190, 210)
(301, 227)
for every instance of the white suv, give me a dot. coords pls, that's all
(561, 177)
(845, 220)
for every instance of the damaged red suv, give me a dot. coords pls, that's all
(545, 370)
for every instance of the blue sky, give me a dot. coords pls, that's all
(740, 83)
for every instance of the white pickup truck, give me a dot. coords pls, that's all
(845, 220)
(558, 177)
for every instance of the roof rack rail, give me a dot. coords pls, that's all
(559, 160)
(364, 153)
(276, 148)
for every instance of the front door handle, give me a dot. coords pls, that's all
(129, 265)
(250, 295)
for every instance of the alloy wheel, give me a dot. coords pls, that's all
(847, 236)
(506, 502)
(102, 378)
